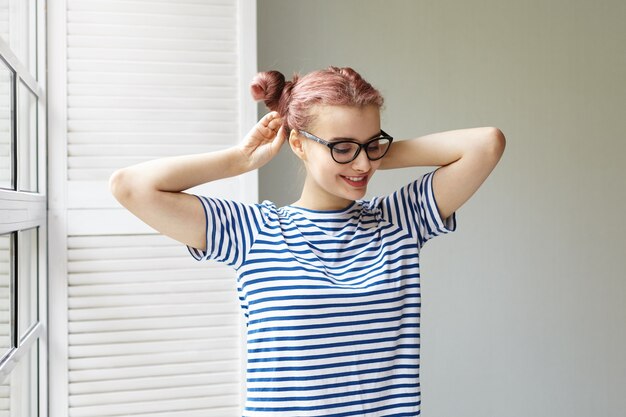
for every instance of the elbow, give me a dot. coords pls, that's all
(495, 142)
(119, 185)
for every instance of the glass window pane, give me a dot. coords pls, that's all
(18, 28)
(27, 139)
(6, 128)
(19, 393)
(6, 277)
(27, 283)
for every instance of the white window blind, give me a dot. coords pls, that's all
(151, 332)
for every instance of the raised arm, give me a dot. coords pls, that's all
(466, 157)
(153, 190)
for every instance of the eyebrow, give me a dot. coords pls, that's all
(339, 139)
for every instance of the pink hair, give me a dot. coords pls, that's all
(294, 99)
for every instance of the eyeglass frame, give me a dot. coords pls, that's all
(331, 145)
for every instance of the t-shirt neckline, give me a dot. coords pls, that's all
(338, 211)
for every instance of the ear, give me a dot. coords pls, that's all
(297, 144)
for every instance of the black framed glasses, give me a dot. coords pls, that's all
(345, 151)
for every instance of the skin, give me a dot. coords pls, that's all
(154, 190)
(325, 187)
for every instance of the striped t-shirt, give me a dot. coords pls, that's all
(332, 300)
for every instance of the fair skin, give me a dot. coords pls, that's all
(325, 186)
(153, 190)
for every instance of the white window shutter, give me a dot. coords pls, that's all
(5, 320)
(152, 332)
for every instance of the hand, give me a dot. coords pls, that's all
(264, 140)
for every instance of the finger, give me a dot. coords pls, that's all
(280, 137)
(275, 124)
(267, 131)
(265, 120)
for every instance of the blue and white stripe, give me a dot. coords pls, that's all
(332, 300)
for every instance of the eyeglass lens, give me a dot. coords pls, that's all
(347, 151)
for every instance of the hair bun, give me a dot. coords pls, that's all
(268, 86)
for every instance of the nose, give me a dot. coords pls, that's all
(361, 163)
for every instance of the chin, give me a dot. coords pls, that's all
(356, 194)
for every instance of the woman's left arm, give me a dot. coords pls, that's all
(466, 157)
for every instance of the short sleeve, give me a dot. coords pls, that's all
(414, 208)
(231, 228)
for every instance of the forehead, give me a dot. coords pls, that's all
(360, 123)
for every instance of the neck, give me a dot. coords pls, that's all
(313, 197)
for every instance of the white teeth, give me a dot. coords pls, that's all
(355, 179)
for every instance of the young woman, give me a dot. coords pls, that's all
(329, 285)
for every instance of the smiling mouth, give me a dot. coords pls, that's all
(355, 181)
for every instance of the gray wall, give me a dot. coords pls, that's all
(524, 306)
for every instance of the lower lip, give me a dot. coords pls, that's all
(356, 184)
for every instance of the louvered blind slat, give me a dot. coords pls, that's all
(177, 363)
(151, 331)
(148, 9)
(108, 377)
(149, 126)
(158, 335)
(105, 350)
(171, 393)
(165, 91)
(182, 103)
(146, 276)
(155, 42)
(148, 382)
(148, 288)
(162, 406)
(105, 313)
(145, 32)
(161, 323)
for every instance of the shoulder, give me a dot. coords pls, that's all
(401, 199)
(269, 210)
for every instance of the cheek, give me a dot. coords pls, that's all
(322, 165)
(326, 175)
(327, 172)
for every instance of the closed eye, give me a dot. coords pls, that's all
(344, 147)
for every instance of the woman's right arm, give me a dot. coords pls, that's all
(153, 190)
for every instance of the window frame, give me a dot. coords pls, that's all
(27, 209)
